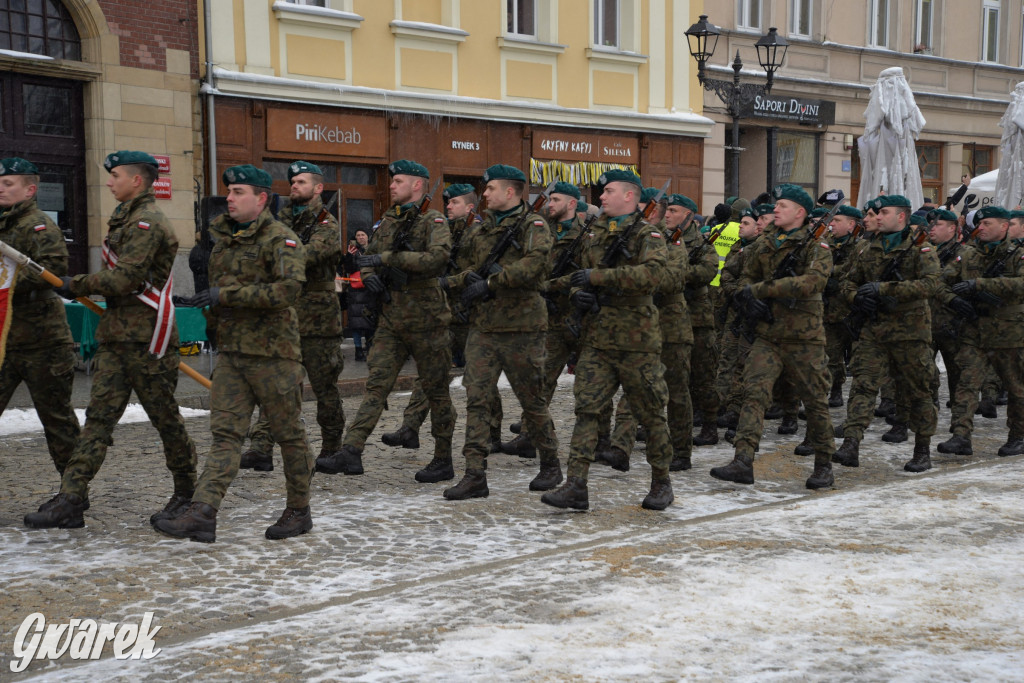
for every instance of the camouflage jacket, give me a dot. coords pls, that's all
(557, 290)
(698, 278)
(797, 306)
(417, 301)
(260, 271)
(999, 326)
(628, 319)
(836, 308)
(516, 305)
(944, 321)
(141, 236)
(730, 275)
(673, 311)
(909, 318)
(461, 229)
(319, 310)
(37, 318)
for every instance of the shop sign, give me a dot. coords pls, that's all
(799, 109)
(317, 132)
(613, 149)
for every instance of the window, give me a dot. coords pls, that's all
(48, 110)
(42, 28)
(878, 23)
(801, 23)
(929, 158)
(749, 15)
(796, 160)
(990, 31)
(977, 159)
(923, 39)
(521, 17)
(606, 23)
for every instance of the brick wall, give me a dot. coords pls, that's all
(147, 28)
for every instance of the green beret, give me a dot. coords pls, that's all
(762, 210)
(457, 190)
(567, 188)
(738, 205)
(618, 175)
(851, 211)
(406, 167)
(298, 167)
(747, 212)
(794, 193)
(991, 211)
(897, 200)
(582, 206)
(128, 158)
(17, 166)
(918, 221)
(647, 194)
(247, 174)
(818, 212)
(503, 172)
(1013, 214)
(683, 201)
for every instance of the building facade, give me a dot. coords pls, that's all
(82, 78)
(962, 59)
(560, 88)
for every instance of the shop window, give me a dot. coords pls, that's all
(521, 17)
(977, 159)
(923, 33)
(358, 214)
(358, 175)
(801, 22)
(41, 27)
(990, 31)
(879, 23)
(796, 160)
(748, 15)
(929, 158)
(47, 110)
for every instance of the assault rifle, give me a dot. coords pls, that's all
(707, 240)
(508, 238)
(988, 300)
(618, 249)
(325, 211)
(566, 261)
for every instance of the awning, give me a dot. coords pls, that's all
(542, 172)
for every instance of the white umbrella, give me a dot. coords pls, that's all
(1010, 183)
(888, 158)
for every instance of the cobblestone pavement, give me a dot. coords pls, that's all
(889, 575)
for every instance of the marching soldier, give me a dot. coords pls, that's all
(138, 343)
(319, 314)
(408, 252)
(897, 332)
(838, 342)
(944, 235)
(39, 349)
(257, 271)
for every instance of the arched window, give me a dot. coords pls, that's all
(41, 27)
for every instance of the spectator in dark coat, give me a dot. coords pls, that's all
(358, 298)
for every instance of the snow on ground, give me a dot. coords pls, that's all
(22, 421)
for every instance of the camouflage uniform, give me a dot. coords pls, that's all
(735, 347)
(39, 348)
(704, 357)
(945, 324)
(838, 342)
(145, 245)
(319, 324)
(260, 269)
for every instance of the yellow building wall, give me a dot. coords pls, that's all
(318, 57)
(428, 11)
(426, 69)
(373, 45)
(528, 79)
(573, 66)
(480, 60)
(613, 88)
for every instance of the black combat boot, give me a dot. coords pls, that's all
(739, 471)
(197, 522)
(680, 463)
(256, 460)
(922, 459)
(730, 435)
(835, 397)
(473, 485)
(838, 430)
(438, 469)
(957, 445)
(804, 448)
(1002, 399)
(549, 477)
(885, 408)
(521, 446)
(641, 434)
(572, 494)
(698, 417)
(63, 511)
(1014, 446)
(897, 434)
(360, 354)
(848, 455)
(494, 446)
(708, 435)
(789, 425)
(516, 427)
(175, 506)
(660, 495)
(293, 522)
(821, 478)
(603, 443)
(774, 412)
(987, 408)
(406, 437)
(348, 460)
(729, 419)
(614, 457)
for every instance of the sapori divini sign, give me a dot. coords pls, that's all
(799, 109)
(293, 130)
(616, 149)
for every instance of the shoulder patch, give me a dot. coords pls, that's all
(656, 234)
(40, 227)
(824, 244)
(289, 243)
(538, 223)
(925, 249)
(324, 222)
(958, 258)
(678, 243)
(144, 225)
(439, 220)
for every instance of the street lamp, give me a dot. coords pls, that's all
(771, 51)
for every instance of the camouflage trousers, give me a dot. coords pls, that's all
(559, 346)
(805, 366)
(676, 359)
(598, 376)
(432, 353)
(521, 356)
(703, 368)
(838, 343)
(48, 373)
(948, 346)
(416, 412)
(240, 383)
(120, 367)
(729, 377)
(975, 364)
(323, 361)
(875, 361)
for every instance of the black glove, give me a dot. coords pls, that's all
(65, 289)
(967, 288)
(471, 277)
(723, 212)
(374, 284)
(867, 304)
(581, 278)
(832, 286)
(371, 261)
(443, 282)
(585, 301)
(870, 289)
(207, 297)
(549, 301)
(477, 290)
(963, 308)
(756, 308)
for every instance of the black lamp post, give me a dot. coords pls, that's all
(771, 51)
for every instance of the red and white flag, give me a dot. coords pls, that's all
(8, 274)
